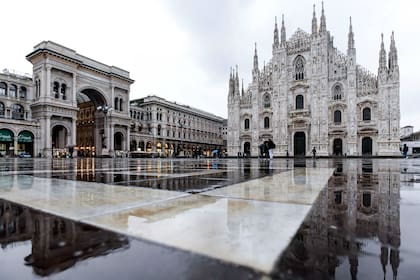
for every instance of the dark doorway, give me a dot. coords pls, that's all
(367, 146)
(118, 139)
(338, 147)
(247, 149)
(299, 144)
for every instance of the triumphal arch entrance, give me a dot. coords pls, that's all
(82, 105)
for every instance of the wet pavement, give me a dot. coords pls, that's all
(209, 219)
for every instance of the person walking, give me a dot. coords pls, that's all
(313, 153)
(271, 147)
(405, 150)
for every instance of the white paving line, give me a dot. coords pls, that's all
(249, 223)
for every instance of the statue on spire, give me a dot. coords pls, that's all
(382, 56)
(276, 35)
(314, 24)
(283, 32)
(323, 26)
(350, 37)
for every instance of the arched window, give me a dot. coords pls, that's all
(116, 103)
(56, 88)
(13, 91)
(2, 110)
(267, 101)
(22, 92)
(63, 91)
(367, 199)
(299, 102)
(18, 112)
(3, 89)
(366, 114)
(266, 122)
(337, 93)
(246, 124)
(337, 116)
(299, 68)
(121, 104)
(159, 128)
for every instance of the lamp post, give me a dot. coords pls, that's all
(104, 109)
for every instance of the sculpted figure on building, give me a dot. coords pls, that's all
(311, 95)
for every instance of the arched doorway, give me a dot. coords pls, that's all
(133, 145)
(299, 144)
(366, 146)
(118, 141)
(338, 147)
(59, 141)
(26, 142)
(91, 131)
(247, 149)
(6, 142)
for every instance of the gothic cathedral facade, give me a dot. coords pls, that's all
(311, 95)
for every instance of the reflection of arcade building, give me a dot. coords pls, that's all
(57, 243)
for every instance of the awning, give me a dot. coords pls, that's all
(6, 135)
(25, 137)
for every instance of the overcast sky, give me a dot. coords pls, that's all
(182, 50)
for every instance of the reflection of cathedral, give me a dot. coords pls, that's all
(310, 94)
(57, 243)
(359, 209)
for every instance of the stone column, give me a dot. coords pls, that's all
(47, 134)
(74, 91)
(48, 82)
(73, 136)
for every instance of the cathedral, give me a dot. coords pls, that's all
(311, 95)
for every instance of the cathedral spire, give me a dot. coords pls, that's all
(276, 35)
(323, 26)
(236, 81)
(382, 56)
(255, 58)
(231, 85)
(283, 32)
(351, 37)
(255, 70)
(314, 24)
(393, 57)
(242, 92)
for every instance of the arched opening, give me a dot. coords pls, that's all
(133, 145)
(246, 124)
(141, 146)
(366, 114)
(247, 149)
(2, 110)
(366, 146)
(91, 129)
(338, 147)
(267, 101)
(149, 147)
(59, 141)
(26, 143)
(6, 142)
(266, 122)
(118, 141)
(299, 68)
(337, 116)
(299, 144)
